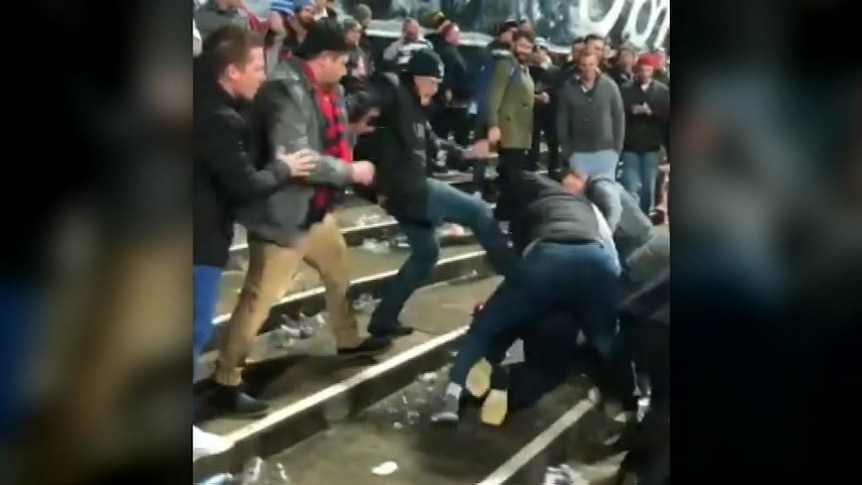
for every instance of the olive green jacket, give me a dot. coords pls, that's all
(510, 104)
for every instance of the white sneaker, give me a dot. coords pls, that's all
(206, 444)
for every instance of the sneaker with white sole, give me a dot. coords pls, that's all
(448, 410)
(207, 444)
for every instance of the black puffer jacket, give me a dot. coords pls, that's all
(224, 173)
(549, 213)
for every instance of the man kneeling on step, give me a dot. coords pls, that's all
(569, 265)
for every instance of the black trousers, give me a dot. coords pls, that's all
(511, 160)
(454, 121)
(544, 128)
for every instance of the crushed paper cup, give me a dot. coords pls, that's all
(384, 469)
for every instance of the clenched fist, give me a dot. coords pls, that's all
(363, 172)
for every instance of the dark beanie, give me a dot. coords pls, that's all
(323, 35)
(425, 63)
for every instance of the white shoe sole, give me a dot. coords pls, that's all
(479, 378)
(495, 407)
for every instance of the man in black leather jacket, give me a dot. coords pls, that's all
(399, 143)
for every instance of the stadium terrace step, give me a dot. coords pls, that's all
(310, 391)
(333, 423)
(370, 272)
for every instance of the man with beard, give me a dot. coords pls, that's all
(419, 203)
(568, 266)
(509, 117)
(298, 16)
(299, 108)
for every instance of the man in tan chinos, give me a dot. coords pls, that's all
(300, 108)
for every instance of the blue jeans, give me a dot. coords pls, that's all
(206, 293)
(578, 280)
(445, 203)
(638, 176)
(20, 308)
(602, 163)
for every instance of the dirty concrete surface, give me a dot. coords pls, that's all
(362, 263)
(286, 375)
(398, 430)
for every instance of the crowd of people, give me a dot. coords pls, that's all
(292, 109)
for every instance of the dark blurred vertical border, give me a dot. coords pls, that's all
(767, 228)
(94, 284)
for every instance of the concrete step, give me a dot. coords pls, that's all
(308, 391)
(398, 429)
(370, 271)
(333, 423)
(352, 212)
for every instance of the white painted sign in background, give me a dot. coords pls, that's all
(645, 22)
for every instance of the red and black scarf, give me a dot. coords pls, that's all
(335, 139)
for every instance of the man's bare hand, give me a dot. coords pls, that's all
(363, 172)
(543, 98)
(493, 135)
(301, 162)
(480, 149)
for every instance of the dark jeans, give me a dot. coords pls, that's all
(511, 160)
(445, 203)
(577, 280)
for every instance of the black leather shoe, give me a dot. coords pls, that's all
(371, 346)
(232, 400)
(394, 331)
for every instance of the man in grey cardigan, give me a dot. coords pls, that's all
(591, 120)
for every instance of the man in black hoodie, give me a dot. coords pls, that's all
(419, 203)
(227, 75)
